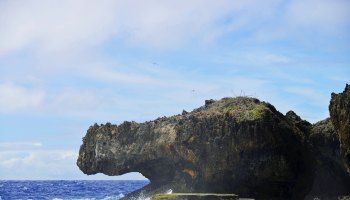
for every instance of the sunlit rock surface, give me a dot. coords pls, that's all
(234, 145)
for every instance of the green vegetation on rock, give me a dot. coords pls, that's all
(241, 108)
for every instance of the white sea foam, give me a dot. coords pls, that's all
(141, 197)
(105, 198)
(75, 199)
(113, 197)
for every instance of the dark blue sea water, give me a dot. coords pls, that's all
(72, 190)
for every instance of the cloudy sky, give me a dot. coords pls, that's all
(66, 64)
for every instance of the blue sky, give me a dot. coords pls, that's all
(65, 65)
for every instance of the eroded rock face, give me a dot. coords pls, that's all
(331, 178)
(235, 145)
(339, 109)
(303, 125)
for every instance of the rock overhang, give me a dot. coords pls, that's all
(199, 150)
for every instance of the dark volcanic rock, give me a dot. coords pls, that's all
(303, 125)
(339, 109)
(235, 145)
(331, 179)
(325, 139)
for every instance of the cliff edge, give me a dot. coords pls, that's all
(339, 110)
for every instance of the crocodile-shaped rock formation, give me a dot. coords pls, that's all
(234, 145)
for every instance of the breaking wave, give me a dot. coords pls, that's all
(68, 190)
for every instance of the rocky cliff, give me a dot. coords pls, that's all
(339, 110)
(331, 178)
(234, 145)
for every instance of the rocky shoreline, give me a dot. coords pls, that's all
(234, 145)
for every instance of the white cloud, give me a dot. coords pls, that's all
(38, 163)
(143, 75)
(55, 25)
(47, 164)
(305, 21)
(254, 58)
(105, 74)
(273, 58)
(62, 25)
(59, 25)
(31, 161)
(309, 93)
(14, 97)
(172, 23)
(327, 15)
(19, 145)
(69, 99)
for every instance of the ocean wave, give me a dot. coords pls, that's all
(75, 199)
(104, 198)
(68, 190)
(141, 197)
(113, 197)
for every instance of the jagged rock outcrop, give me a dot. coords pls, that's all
(339, 109)
(234, 145)
(331, 178)
(303, 125)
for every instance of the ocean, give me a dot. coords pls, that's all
(68, 190)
